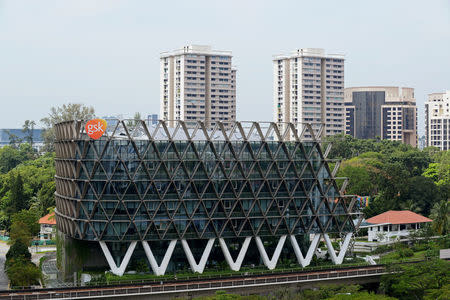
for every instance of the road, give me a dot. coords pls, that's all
(4, 247)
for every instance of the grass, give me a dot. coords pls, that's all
(393, 257)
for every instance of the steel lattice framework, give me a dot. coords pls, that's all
(145, 183)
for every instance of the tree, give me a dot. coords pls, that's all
(29, 218)
(20, 232)
(14, 140)
(439, 215)
(66, 112)
(46, 195)
(412, 281)
(23, 273)
(419, 195)
(363, 172)
(9, 158)
(17, 198)
(28, 129)
(360, 296)
(18, 251)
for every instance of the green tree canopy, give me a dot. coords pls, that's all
(66, 112)
(20, 232)
(414, 281)
(29, 218)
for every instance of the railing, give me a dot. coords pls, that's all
(193, 286)
(230, 274)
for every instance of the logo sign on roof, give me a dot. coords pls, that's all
(95, 128)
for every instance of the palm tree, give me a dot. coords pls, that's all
(439, 214)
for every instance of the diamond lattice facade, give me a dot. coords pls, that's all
(147, 184)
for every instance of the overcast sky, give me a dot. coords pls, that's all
(106, 53)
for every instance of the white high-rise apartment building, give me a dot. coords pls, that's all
(198, 84)
(309, 88)
(437, 120)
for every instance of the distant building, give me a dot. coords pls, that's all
(388, 113)
(6, 134)
(198, 84)
(48, 227)
(422, 142)
(309, 88)
(393, 225)
(437, 120)
(152, 119)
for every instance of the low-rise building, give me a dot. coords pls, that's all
(393, 224)
(48, 227)
(18, 136)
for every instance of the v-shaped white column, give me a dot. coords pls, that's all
(112, 264)
(337, 260)
(197, 268)
(235, 265)
(270, 263)
(159, 269)
(305, 261)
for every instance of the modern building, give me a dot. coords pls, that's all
(48, 227)
(9, 136)
(194, 196)
(437, 120)
(309, 88)
(392, 225)
(197, 84)
(384, 112)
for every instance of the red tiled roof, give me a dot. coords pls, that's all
(398, 217)
(46, 219)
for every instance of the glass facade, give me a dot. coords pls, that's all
(146, 183)
(367, 114)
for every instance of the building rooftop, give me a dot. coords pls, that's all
(48, 219)
(196, 49)
(398, 217)
(309, 52)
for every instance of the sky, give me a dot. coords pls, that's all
(105, 53)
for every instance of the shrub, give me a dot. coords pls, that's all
(23, 273)
(382, 249)
(406, 252)
(141, 266)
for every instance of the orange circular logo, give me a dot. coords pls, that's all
(96, 128)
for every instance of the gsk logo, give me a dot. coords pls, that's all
(96, 128)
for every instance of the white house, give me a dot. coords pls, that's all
(48, 227)
(393, 224)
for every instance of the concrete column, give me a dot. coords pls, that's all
(235, 265)
(337, 260)
(270, 263)
(159, 269)
(197, 268)
(305, 261)
(121, 269)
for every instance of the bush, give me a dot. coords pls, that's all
(421, 247)
(382, 249)
(141, 266)
(23, 273)
(406, 252)
(431, 253)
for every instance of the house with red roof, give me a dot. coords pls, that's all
(48, 227)
(393, 224)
